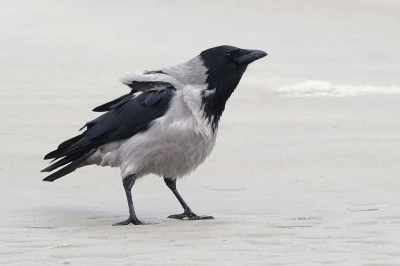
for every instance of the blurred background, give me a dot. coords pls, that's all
(91, 43)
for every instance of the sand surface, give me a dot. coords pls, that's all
(293, 180)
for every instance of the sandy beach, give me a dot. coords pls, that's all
(306, 169)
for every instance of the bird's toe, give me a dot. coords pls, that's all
(190, 216)
(129, 221)
(126, 222)
(177, 216)
(201, 217)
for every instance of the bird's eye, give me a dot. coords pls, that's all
(228, 54)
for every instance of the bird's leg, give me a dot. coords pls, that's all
(171, 183)
(128, 183)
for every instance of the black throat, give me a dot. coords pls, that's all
(221, 85)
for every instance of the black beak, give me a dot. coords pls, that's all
(253, 55)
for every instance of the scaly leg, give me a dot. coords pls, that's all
(128, 183)
(171, 183)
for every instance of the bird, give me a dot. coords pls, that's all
(166, 125)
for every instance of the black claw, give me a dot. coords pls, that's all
(177, 216)
(190, 216)
(129, 221)
(203, 217)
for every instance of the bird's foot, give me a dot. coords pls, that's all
(190, 216)
(130, 220)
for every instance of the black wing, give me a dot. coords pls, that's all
(108, 106)
(135, 86)
(125, 118)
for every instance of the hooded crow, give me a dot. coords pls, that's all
(166, 125)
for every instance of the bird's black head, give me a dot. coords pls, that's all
(229, 58)
(225, 66)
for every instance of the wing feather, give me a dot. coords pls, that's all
(125, 116)
(119, 123)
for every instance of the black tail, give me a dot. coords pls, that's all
(62, 147)
(72, 160)
(74, 163)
